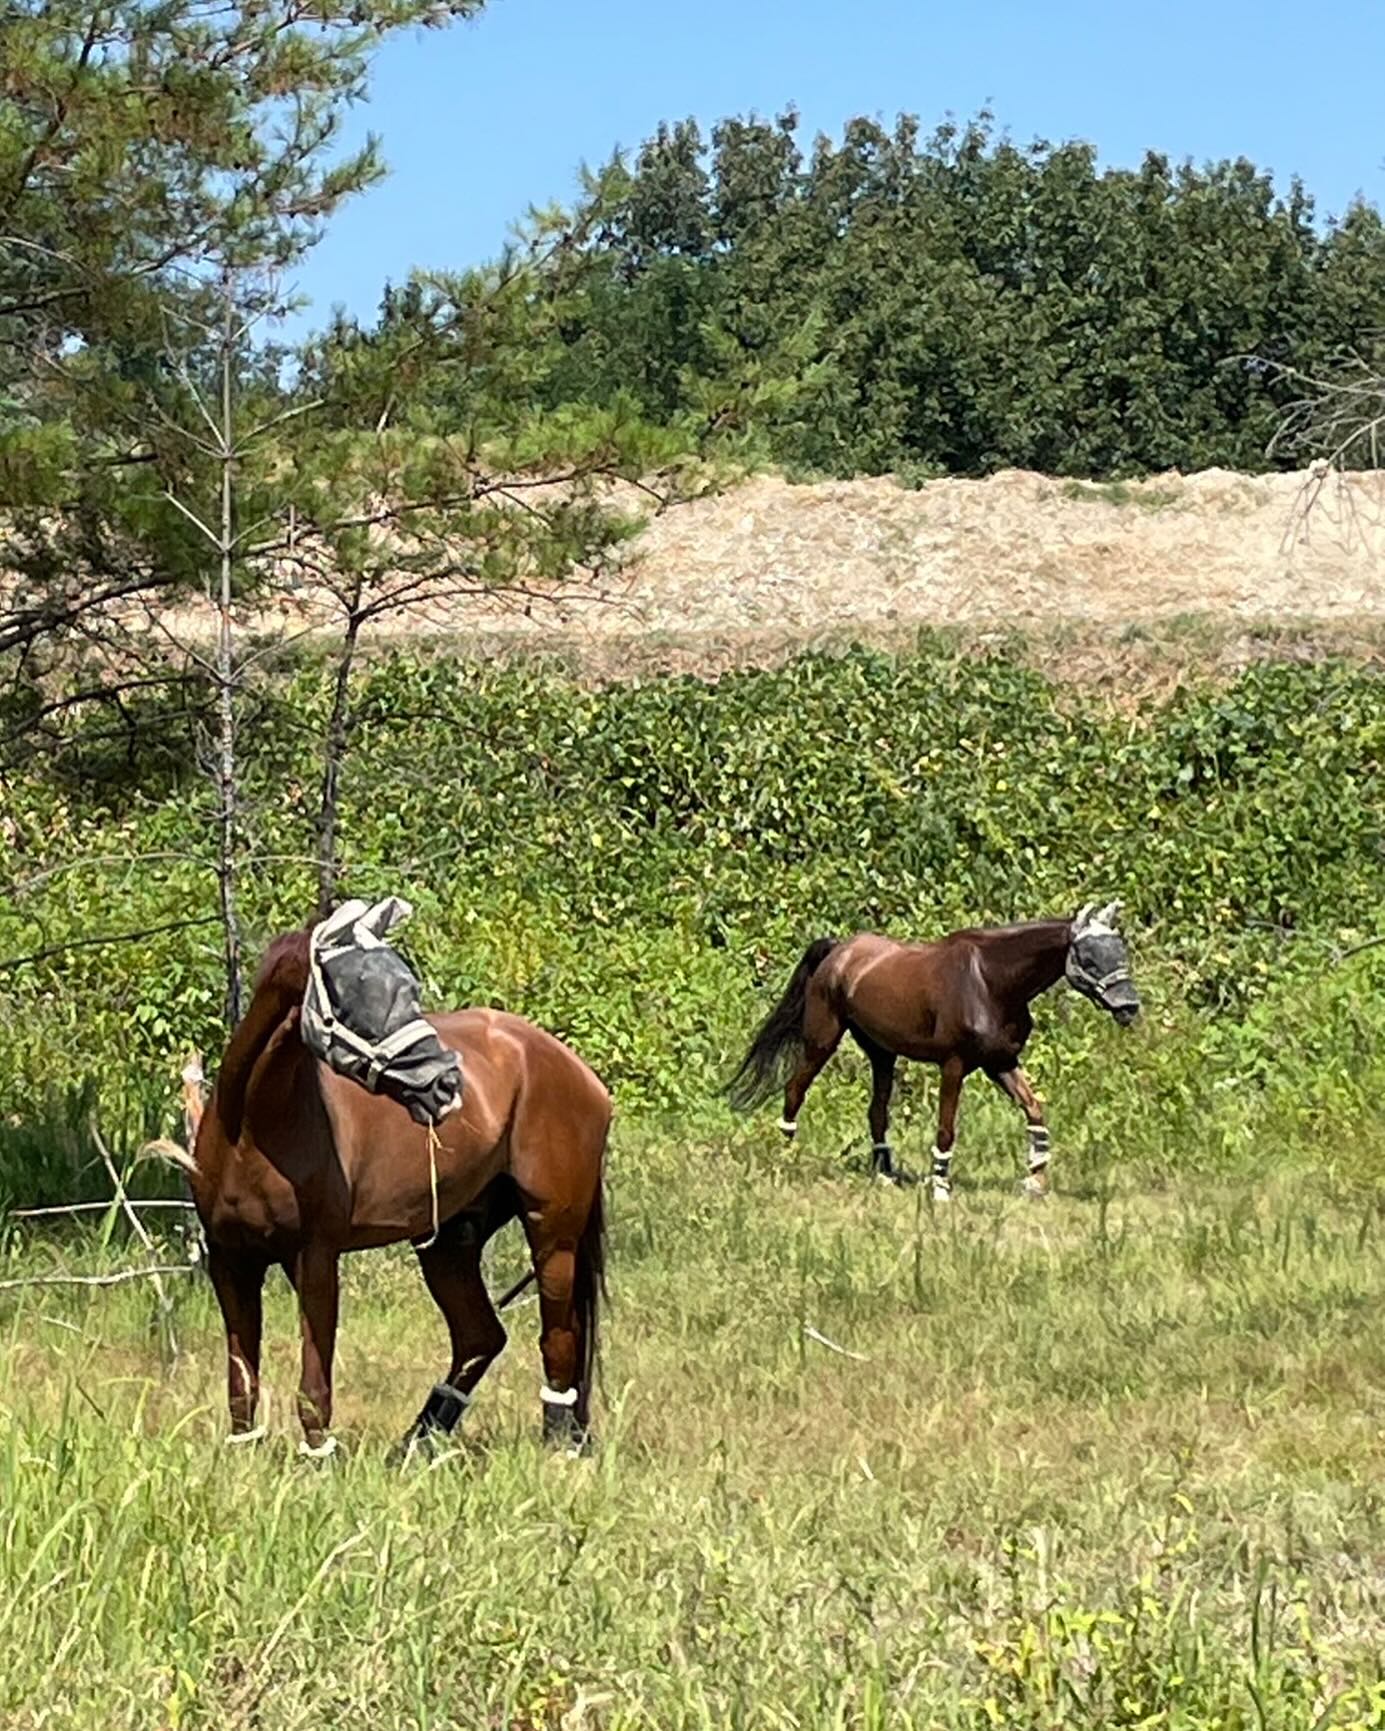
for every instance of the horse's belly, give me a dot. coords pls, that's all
(388, 1205)
(921, 1050)
(923, 1040)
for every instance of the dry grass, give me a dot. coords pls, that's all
(1109, 576)
(1100, 1464)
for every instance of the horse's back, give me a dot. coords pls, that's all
(530, 1053)
(530, 1105)
(561, 1110)
(869, 954)
(917, 999)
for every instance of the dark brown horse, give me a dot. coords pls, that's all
(293, 1164)
(962, 1003)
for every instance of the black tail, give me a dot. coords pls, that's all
(589, 1289)
(779, 1037)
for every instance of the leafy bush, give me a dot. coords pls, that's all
(638, 867)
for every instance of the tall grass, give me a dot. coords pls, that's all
(1116, 1461)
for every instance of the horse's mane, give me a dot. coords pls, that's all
(280, 982)
(284, 965)
(1018, 929)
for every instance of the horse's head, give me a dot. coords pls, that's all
(1098, 963)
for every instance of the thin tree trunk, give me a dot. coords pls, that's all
(333, 755)
(226, 673)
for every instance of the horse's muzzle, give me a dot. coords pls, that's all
(1125, 1014)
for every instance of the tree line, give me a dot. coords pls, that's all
(956, 303)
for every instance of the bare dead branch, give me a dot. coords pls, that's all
(62, 1208)
(118, 1279)
(122, 1202)
(52, 950)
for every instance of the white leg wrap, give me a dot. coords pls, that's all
(553, 1397)
(239, 1437)
(323, 1452)
(942, 1176)
(789, 1126)
(1038, 1146)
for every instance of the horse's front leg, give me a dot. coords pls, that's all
(315, 1278)
(882, 1069)
(1016, 1084)
(239, 1286)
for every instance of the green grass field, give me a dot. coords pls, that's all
(1116, 1460)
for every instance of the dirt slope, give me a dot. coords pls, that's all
(1213, 568)
(767, 567)
(1016, 546)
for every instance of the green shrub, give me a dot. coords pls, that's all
(639, 866)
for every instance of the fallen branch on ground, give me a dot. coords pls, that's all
(94, 1207)
(832, 1346)
(117, 1279)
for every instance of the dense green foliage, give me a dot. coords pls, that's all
(145, 147)
(959, 303)
(638, 867)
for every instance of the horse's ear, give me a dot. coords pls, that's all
(1083, 917)
(1110, 914)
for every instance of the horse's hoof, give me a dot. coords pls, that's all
(1034, 1191)
(563, 1434)
(416, 1447)
(942, 1193)
(577, 1448)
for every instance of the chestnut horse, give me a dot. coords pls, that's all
(961, 1003)
(293, 1164)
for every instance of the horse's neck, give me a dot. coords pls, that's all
(278, 992)
(1030, 959)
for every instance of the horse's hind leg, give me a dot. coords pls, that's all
(557, 1152)
(554, 1233)
(882, 1072)
(239, 1286)
(451, 1267)
(822, 1034)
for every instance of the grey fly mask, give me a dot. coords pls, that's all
(362, 1017)
(1098, 963)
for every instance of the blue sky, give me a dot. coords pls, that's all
(479, 122)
